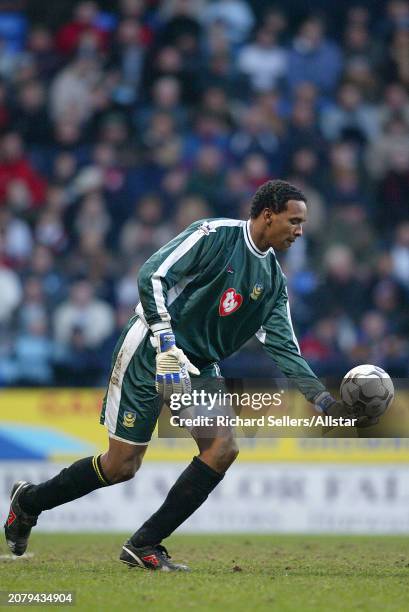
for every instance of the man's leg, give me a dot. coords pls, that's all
(118, 464)
(190, 490)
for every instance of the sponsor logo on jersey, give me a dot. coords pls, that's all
(229, 302)
(206, 229)
(129, 418)
(257, 291)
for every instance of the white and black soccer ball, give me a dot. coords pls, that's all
(367, 390)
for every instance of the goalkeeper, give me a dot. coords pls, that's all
(203, 295)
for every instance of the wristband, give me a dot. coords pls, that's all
(323, 401)
(165, 341)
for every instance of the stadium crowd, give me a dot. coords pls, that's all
(119, 128)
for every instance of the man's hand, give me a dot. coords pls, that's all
(172, 367)
(324, 402)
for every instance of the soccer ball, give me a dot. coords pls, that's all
(367, 390)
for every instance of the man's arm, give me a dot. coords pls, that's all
(278, 338)
(161, 279)
(171, 269)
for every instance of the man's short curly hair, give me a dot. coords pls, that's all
(274, 195)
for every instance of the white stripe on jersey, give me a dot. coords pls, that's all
(291, 325)
(181, 250)
(131, 342)
(177, 289)
(261, 334)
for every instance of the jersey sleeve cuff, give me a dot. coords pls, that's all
(160, 328)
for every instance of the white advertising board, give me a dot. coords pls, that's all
(253, 497)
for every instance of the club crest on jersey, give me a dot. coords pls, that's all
(229, 302)
(257, 291)
(129, 418)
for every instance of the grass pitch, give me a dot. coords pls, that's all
(229, 572)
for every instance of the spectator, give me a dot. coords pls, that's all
(128, 57)
(207, 176)
(71, 91)
(180, 21)
(303, 130)
(16, 172)
(145, 229)
(82, 30)
(394, 141)
(191, 208)
(314, 58)
(126, 289)
(10, 290)
(400, 255)
(50, 231)
(255, 135)
(41, 48)
(256, 170)
(395, 103)
(263, 61)
(33, 356)
(349, 225)
(4, 108)
(321, 348)
(76, 363)
(396, 66)
(30, 118)
(42, 265)
(393, 190)
(83, 313)
(396, 17)
(220, 72)
(166, 98)
(91, 259)
(16, 238)
(168, 62)
(341, 291)
(92, 215)
(351, 118)
(235, 16)
(33, 306)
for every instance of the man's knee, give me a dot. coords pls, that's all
(123, 471)
(121, 463)
(220, 454)
(231, 452)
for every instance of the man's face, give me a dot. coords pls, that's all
(284, 228)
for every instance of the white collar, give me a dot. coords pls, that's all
(250, 243)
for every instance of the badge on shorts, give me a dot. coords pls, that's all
(257, 291)
(129, 417)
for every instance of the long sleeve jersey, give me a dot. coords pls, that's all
(216, 289)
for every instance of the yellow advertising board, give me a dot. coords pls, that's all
(64, 424)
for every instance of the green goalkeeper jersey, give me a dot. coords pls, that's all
(216, 289)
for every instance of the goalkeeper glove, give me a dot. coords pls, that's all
(324, 402)
(172, 367)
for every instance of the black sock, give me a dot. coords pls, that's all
(188, 493)
(80, 478)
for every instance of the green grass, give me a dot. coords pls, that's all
(229, 573)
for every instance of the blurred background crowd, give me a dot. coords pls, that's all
(123, 122)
